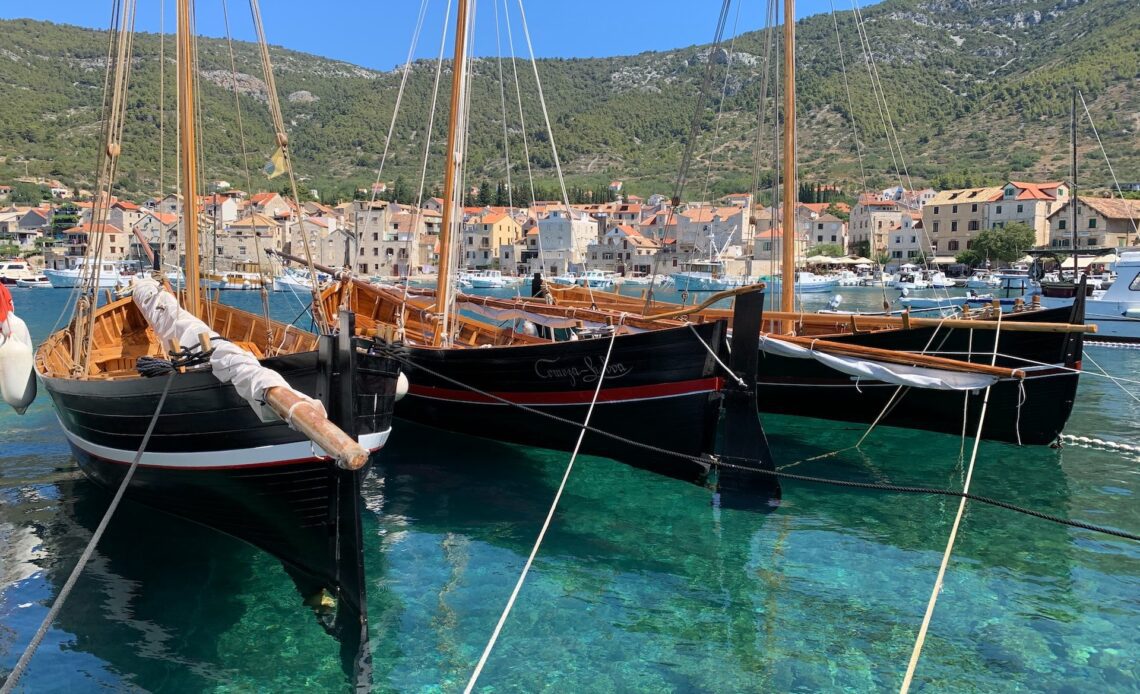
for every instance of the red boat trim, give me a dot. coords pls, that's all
(574, 397)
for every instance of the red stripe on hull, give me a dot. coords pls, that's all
(575, 397)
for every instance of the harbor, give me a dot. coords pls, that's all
(641, 584)
(376, 419)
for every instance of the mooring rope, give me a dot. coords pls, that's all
(549, 516)
(57, 605)
(743, 466)
(918, 643)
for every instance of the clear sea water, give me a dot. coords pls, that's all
(640, 585)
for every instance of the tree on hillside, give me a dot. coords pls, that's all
(29, 193)
(1005, 245)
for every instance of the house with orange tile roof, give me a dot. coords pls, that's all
(1029, 203)
(484, 238)
(624, 250)
(1101, 223)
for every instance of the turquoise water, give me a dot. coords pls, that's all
(639, 586)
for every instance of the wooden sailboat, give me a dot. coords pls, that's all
(1028, 410)
(260, 430)
(660, 396)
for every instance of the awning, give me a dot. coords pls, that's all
(945, 260)
(1086, 260)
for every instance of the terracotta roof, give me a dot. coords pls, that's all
(125, 205)
(1035, 191)
(261, 198)
(88, 228)
(1114, 208)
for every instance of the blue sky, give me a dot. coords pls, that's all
(376, 34)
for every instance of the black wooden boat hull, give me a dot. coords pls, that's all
(1031, 412)
(662, 388)
(213, 461)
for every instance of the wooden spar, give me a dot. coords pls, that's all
(309, 419)
(840, 323)
(788, 225)
(451, 173)
(887, 322)
(187, 130)
(892, 356)
(707, 302)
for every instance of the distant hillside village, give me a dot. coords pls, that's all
(390, 239)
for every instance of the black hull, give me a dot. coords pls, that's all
(212, 460)
(662, 389)
(1031, 412)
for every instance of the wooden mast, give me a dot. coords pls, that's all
(189, 164)
(452, 176)
(788, 259)
(1073, 200)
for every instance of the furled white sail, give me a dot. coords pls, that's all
(897, 374)
(230, 363)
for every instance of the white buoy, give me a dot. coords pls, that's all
(17, 380)
(401, 386)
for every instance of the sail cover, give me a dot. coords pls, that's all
(897, 374)
(230, 363)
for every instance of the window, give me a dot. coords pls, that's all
(242, 250)
(974, 207)
(954, 209)
(934, 246)
(1062, 225)
(819, 226)
(935, 210)
(375, 251)
(1093, 241)
(819, 239)
(969, 244)
(1135, 286)
(1092, 223)
(952, 245)
(833, 238)
(998, 209)
(953, 226)
(973, 225)
(898, 239)
(896, 254)
(914, 239)
(935, 229)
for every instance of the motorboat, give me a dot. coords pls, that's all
(909, 277)
(487, 279)
(707, 276)
(597, 279)
(34, 282)
(232, 280)
(1114, 311)
(938, 279)
(806, 283)
(11, 271)
(982, 279)
(847, 278)
(108, 275)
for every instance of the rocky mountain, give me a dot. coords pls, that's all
(976, 90)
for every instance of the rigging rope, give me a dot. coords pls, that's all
(847, 90)
(549, 516)
(953, 530)
(57, 604)
(1106, 161)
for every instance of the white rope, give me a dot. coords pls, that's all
(53, 612)
(730, 372)
(550, 134)
(918, 643)
(1106, 161)
(549, 516)
(847, 89)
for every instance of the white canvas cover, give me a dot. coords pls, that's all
(897, 374)
(230, 363)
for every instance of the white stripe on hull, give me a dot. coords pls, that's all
(229, 458)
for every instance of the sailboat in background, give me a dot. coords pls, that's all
(246, 425)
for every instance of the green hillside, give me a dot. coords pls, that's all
(978, 89)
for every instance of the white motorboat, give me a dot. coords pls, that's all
(909, 277)
(706, 276)
(34, 282)
(806, 283)
(487, 279)
(12, 271)
(597, 279)
(937, 279)
(109, 275)
(982, 279)
(846, 278)
(1114, 311)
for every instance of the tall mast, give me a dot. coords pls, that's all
(1073, 189)
(788, 261)
(452, 177)
(187, 129)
